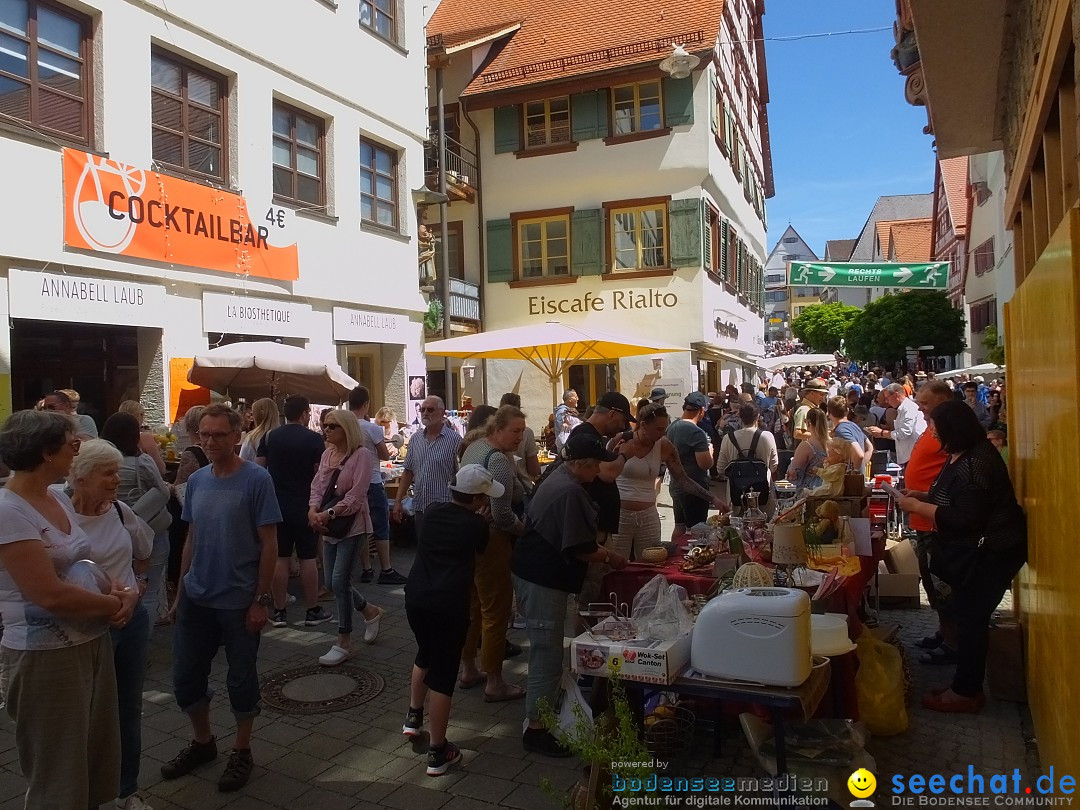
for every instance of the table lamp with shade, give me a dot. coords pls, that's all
(788, 548)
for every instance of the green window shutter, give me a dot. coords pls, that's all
(729, 130)
(588, 115)
(507, 129)
(714, 104)
(500, 251)
(678, 101)
(706, 239)
(587, 242)
(684, 222)
(740, 263)
(724, 249)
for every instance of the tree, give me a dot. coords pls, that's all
(886, 327)
(994, 353)
(823, 326)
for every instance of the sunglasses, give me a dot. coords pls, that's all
(331, 426)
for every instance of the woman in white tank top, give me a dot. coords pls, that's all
(639, 481)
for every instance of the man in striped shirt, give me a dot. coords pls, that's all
(430, 462)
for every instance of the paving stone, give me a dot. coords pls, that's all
(486, 788)
(276, 789)
(495, 765)
(411, 797)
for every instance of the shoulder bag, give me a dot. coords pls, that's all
(337, 527)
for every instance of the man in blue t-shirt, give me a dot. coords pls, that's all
(224, 596)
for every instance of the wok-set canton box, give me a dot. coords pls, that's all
(642, 660)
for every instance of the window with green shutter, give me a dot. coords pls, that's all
(725, 246)
(587, 242)
(500, 251)
(678, 101)
(507, 129)
(685, 219)
(588, 115)
(714, 103)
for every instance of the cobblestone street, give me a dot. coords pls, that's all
(357, 758)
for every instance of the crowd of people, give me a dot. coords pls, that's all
(496, 539)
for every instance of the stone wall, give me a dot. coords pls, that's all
(1024, 29)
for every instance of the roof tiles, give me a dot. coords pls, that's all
(910, 241)
(954, 176)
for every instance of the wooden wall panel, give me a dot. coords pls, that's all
(1043, 347)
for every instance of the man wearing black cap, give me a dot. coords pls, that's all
(550, 562)
(693, 447)
(609, 419)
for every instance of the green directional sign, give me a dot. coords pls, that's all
(932, 276)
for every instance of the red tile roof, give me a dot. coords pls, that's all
(954, 175)
(567, 38)
(910, 241)
(885, 229)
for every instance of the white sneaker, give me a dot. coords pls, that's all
(133, 802)
(371, 627)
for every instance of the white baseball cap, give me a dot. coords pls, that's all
(475, 479)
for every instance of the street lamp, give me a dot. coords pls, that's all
(679, 63)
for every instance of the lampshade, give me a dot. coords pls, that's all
(679, 63)
(788, 545)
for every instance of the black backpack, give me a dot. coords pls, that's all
(747, 473)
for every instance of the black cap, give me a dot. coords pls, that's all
(615, 401)
(695, 401)
(581, 446)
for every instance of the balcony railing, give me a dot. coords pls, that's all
(460, 162)
(464, 300)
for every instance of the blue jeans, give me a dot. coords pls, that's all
(379, 507)
(544, 610)
(131, 644)
(159, 560)
(198, 635)
(338, 559)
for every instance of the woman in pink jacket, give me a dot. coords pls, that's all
(345, 451)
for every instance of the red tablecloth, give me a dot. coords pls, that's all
(626, 583)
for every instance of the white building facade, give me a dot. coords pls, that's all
(779, 314)
(622, 198)
(188, 175)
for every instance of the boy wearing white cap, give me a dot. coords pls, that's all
(437, 604)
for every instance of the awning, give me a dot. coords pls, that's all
(713, 352)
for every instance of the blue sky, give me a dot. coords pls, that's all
(842, 134)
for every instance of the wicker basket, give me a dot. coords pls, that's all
(654, 554)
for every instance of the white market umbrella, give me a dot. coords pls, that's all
(265, 369)
(981, 369)
(551, 347)
(792, 360)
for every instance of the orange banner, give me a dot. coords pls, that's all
(110, 207)
(182, 394)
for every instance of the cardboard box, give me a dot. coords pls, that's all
(900, 557)
(1005, 662)
(659, 662)
(897, 590)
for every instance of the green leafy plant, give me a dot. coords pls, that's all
(994, 353)
(886, 327)
(823, 326)
(433, 318)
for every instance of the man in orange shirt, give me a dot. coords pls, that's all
(927, 459)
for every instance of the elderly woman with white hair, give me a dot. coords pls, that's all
(120, 542)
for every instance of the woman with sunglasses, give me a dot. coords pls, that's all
(345, 451)
(56, 662)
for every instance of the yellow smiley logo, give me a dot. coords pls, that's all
(861, 783)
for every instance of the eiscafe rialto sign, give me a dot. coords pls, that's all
(111, 207)
(609, 301)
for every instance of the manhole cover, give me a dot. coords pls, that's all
(314, 689)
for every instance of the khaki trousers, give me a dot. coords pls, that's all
(492, 602)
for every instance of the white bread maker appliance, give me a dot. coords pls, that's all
(758, 635)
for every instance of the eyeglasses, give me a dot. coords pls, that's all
(331, 426)
(429, 410)
(217, 437)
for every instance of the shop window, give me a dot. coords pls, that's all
(547, 122)
(187, 116)
(45, 54)
(636, 108)
(591, 381)
(298, 156)
(543, 246)
(378, 16)
(378, 184)
(454, 248)
(639, 238)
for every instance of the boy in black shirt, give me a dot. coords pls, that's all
(437, 604)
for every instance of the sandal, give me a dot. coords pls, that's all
(469, 684)
(507, 693)
(939, 656)
(931, 642)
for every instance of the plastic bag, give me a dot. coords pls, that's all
(658, 610)
(879, 686)
(570, 719)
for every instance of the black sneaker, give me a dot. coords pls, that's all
(391, 577)
(317, 615)
(414, 721)
(439, 760)
(512, 651)
(367, 575)
(542, 741)
(280, 618)
(193, 755)
(237, 772)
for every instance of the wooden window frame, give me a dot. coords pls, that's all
(454, 228)
(33, 83)
(533, 217)
(548, 144)
(375, 12)
(611, 209)
(979, 257)
(637, 130)
(395, 179)
(294, 198)
(186, 137)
